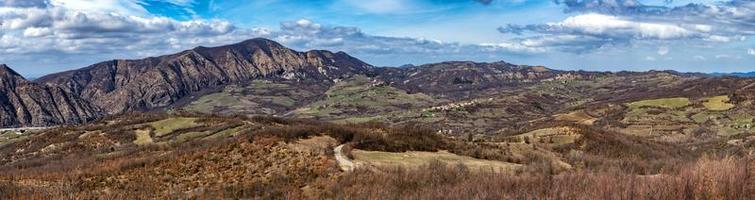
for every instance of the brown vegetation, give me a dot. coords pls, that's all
(100, 161)
(725, 178)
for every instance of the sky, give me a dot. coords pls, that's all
(38, 37)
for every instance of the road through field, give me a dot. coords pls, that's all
(343, 161)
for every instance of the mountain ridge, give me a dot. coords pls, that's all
(144, 84)
(169, 81)
(25, 103)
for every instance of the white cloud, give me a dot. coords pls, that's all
(182, 2)
(116, 30)
(717, 38)
(33, 32)
(663, 50)
(723, 56)
(631, 21)
(514, 47)
(305, 34)
(62, 28)
(612, 26)
(751, 52)
(131, 7)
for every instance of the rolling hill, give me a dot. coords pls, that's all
(257, 120)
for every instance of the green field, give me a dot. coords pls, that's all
(258, 97)
(10, 136)
(167, 126)
(669, 103)
(357, 99)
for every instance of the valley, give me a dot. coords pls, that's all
(256, 120)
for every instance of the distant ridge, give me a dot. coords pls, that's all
(736, 74)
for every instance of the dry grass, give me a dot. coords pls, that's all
(718, 103)
(415, 159)
(143, 137)
(577, 116)
(726, 178)
(271, 158)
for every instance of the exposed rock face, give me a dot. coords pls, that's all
(24, 103)
(135, 85)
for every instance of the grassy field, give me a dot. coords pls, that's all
(167, 126)
(415, 159)
(208, 103)
(143, 137)
(257, 97)
(10, 136)
(356, 99)
(552, 136)
(669, 103)
(718, 103)
(577, 116)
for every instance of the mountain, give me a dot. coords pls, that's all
(24, 103)
(464, 120)
(736, 74)
(461, 79)
(120, 86)
(262, 77)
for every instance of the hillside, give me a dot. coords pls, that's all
(120, 86)
(157, 156)
(27, 104)
(256, 120)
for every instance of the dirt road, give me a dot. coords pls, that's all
(343, 161)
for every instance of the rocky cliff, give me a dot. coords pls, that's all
(24, 103)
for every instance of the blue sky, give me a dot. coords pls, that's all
(43, 36)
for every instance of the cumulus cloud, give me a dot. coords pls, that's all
(751, 52)
(592, 31)
(622, 22)
(60, 29)
(34, 29)
(609, 27)
(608, 6)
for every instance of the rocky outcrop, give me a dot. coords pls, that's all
(27, 104)
(136, 85)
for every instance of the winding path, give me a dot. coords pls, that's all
(343, 161)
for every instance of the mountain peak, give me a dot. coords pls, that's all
(179, 75)
(260, 41)
(254, 42)
(6, 71)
